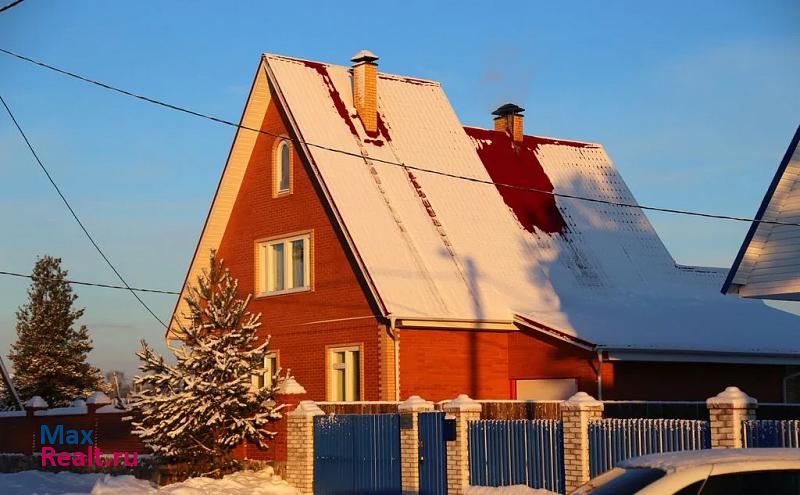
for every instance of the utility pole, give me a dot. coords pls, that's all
(10, 384)
(116, 385)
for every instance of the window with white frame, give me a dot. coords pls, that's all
(283, 168)
(344, 373)
(285, 265)
(267, 379)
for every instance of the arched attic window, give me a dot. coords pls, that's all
(283, 168)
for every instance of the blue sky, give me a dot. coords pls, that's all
(695, 102)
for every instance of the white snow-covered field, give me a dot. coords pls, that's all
(64, 483)
(241, 483)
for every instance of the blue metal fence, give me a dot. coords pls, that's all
(357, 454)
(771, 433)
(517, 452)
(432, 454)
(614, 440)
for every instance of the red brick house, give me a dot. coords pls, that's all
(380, 275)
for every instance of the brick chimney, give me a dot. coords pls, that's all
(365, 88)
(509, 119)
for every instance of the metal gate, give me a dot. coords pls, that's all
(614, 440)
(357, 454)
(432, 454)
(517, 452)
(771, 433)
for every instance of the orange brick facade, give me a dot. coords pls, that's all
(336, 310)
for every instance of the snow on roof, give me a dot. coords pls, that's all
(98, 397)
(768, 263)
(437, 247)
(62, 411)
(13, 414)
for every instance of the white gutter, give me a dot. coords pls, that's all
(396, 338)
(690, 356)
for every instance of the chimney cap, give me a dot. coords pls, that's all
(364, 56)
(508, 109)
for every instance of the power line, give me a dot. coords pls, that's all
(10, 5)
(75, 216)
(94, 284)
(392, 163)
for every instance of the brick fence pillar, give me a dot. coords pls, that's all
(726, 411)
(409, 440)
(464, 410)
(32, 405)
(576, 412)
(300, 446)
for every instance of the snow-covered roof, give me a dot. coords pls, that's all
(441, 248)
(62, 411)
(768, 263)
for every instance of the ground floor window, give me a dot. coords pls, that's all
(546, 389)
(270, 368)
(344, 373)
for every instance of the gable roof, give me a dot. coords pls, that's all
(438, 248)
(768, 263)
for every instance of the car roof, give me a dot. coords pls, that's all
(672, 461)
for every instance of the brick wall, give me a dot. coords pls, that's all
(678, 381)
(336, 310)
(440, 364)
(533, 356)
(110, 433)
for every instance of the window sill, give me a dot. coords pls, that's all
(280, 194)
(284, 292)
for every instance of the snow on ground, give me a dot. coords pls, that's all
(64, 483)
(506, 490)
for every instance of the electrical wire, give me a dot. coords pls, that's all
(10, 5)
(392, 163)
(94, 284)
(75, 216)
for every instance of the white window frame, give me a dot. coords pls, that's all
(265, 380)
(277, 168)
(265, 265)
(331, 366)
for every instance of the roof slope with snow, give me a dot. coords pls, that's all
(436, 247)
(768, 264)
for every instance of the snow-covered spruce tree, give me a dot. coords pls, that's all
(197, 410)
(49, 355)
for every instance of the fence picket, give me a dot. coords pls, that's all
(511, 452)
(771, 433)
(613, 440)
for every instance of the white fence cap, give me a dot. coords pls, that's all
(307, 409)
(37, 402)
(582, 400)
(290, 386)
(731, 397)
(98, 398)
(462, 403)
(415, 403)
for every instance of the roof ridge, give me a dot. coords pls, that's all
(381, 74)
(536, 136)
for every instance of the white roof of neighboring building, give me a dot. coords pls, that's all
(768, 263)
(442, 248)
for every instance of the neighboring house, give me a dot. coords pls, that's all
(768, 263)
(378, 280)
